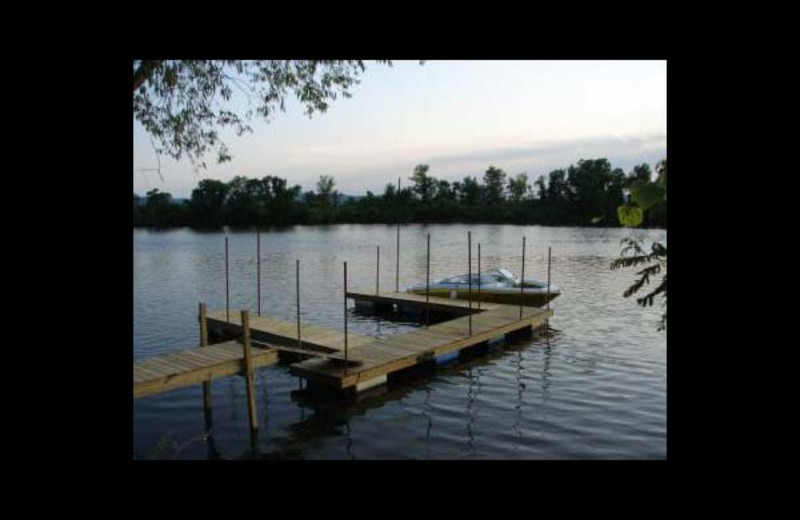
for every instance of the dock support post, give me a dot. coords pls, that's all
(522, 279)
(297, 269)
(469, 277)
(345, 318)
(204, 343)
(249, 374)
(479, 276)
(397, 278)
(258, 268)
(428, 286)
(227, 291)
(549, 251)
(378, 272)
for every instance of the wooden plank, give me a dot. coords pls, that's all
(181, 379)
(182, 363)
(158, 366)
(224, 353)
(210, 359)
(142, 374)
(186, 359)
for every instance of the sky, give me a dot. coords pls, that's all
(458, 117)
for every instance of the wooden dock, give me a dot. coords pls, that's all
(192, 366)
(368, 362)
(378, 358)
(278, 332)
(339, 360)
(270, 337)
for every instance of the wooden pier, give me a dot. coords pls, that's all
(368, 361)
(378, 358)
(270, 337)
(192, 366)
(282, 333)
(338, 360)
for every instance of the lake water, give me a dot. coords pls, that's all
(595, 387)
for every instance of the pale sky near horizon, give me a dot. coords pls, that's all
(459, 117)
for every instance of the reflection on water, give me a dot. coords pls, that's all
(593, 387)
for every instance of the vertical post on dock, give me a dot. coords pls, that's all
(249, 373)
(549, 250)
(227, 292)
(522, 279)
(258, 268)
(428, 285)
(479, 276)
(204, 343)
(345, 317)
(469, 277)
(297, 264)
(397, 278)
(378, 272)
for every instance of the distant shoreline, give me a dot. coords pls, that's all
(387, 224)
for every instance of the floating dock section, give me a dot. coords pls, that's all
(367, 362)
(191, 366)
(378, 358)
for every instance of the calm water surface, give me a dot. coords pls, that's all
(593, 388)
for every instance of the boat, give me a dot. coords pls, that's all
(497, 285)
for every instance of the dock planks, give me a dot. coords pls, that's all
(191, 366)
(368, 358)
(279, 332)
(378, 358)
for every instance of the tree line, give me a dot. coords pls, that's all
(584, 194)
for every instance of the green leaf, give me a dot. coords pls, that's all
(647, 194)
(630, 216)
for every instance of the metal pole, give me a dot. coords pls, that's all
(258, 268)
(479, 276)
(548, 276)
(227, 291)
(397, 280)
(522, 279)
(428, 285)
(297, 264)
(469, 277)
(378, 272)
(345, 317)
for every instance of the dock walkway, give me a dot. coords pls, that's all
(378, 358)
(270, 336)
(190, 366)
(369, 361)
(279, 332)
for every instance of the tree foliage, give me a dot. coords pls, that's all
(182, 104)
(576, 199)
(632, 255)
(645, 195)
